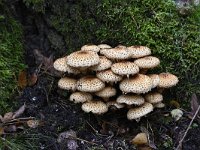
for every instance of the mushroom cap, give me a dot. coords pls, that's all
(83, 59)
(118, 53)
(155, 79)
(131, 99)
(147, 62)
(107, 92)
(104, 64)
(153, 97)
(125, 68)
(80, 97)
(159, 105)
(60, 64)
(115, 104)
(67, 83)
(104, 46)
(167, 80)
(96, 107)
(91, 47)
(139, 51)
(90, 84)
(108, 76)
(138, 84)
(138, 112)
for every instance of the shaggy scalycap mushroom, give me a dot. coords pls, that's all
(125, 68)
(104, 46)
(130, 99)
(108, 76)
(96, 107)
(67, 83)
(104, 64)
(159, 105)
(106, 92)
(80, 97)
(88, 47)
(147, 62)
(115, 104)
(153, 97)
(138, 112)
(60, 64)
(138, 84)
(118, 53)
(155, 79)
(83, 59)
(167, 80)
(139, 51)
(90, 84)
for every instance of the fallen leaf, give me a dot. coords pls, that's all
(1, 118)
(19, 112)
(33, 123)
(22, 79)
(7, 117)
(32, 79)
(174, 104)
(140, 139)
(194, 104)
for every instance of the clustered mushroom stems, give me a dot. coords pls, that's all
(101, 77)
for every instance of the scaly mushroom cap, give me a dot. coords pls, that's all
(118, 53)
(96, 107)
(115, 104)
(108, 76)
(159, 105)
(138, 112)
(104, 64)
(138, 84)
(106, 92)
(67, 83)
(130, 99)
(153, 97)
(155, 79)
(80, 97)
(90, 84)
(147, 62)
(88, 47)
(139, 51)
(60, 64)
(167, 80)
(83, 59)
(125, 68)
(104, 46)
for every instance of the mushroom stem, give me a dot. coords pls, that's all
(143, 71)
(160, 90)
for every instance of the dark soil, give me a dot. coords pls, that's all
(110, 131)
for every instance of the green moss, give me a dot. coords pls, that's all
(11, 52)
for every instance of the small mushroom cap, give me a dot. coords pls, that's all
(115, 104)
(60, 64)
(167, 80)
(90, 84)
(88, 47)
(83, 59)
(104, 64)
(153, 97)
(107, 92)
(138, 112)
(139, 51)
(147, 62)
(159, 105)
(96, 107)
(138, 84)
(155, 79)
(104, 46)
(131, 99)
(67, 83)
(118, 53)
(108, 76)
(80, 97)
(125, 68)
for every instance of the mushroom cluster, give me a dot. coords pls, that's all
(102, 77)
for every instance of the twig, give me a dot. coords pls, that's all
(76, 138)
(181, 141)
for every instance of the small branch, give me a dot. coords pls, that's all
(181, 141)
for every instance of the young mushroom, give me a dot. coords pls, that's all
(153, 97)
(114, 105)
(80, 97)
(155, 80)
(130, 99)
(104, 46)
(106, 93)
(138, 112)
(104, 64)
(91, 47)
(159, 105)
(67, 83)
(139, 51)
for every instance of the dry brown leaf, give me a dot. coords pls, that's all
(22, 79)
(7, 117)
(33, 123)
(32, 79)
(194, 105)
(140, 139)
(19, 112)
